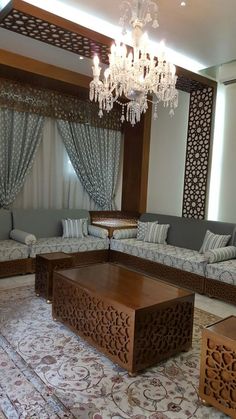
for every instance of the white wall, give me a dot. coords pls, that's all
(167, 159)
(226, 204)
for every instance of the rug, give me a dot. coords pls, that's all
(46, 371)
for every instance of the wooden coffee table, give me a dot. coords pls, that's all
(134, 319)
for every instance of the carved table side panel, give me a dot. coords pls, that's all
(162, 332)
(106, 326)
(218, 373)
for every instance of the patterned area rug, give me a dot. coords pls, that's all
(46, 371)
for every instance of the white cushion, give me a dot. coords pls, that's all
(72, 228)
(213, 241)
(156, 233)
(220, 254)
(23, 237)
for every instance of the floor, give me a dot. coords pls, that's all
(211, 305)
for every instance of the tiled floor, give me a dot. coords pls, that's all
(211, 305)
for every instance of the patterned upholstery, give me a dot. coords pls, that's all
(185, 259)
(125, 233)
(12, 250)
(222, 271)
(68, 245)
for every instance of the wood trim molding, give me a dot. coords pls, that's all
(30, 65)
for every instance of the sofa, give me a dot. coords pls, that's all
(179, 261)
(17, 257)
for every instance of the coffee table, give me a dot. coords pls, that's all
(135, 320)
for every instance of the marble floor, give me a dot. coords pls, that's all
(211, 305)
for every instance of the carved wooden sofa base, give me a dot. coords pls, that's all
(166, 273)
(220, 290)
(27, 266)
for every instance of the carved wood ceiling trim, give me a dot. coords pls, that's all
(35, 23)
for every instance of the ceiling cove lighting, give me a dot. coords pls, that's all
(135, 74)
(74, 14)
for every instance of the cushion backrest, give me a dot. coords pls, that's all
(45, 222)
(189, 232)
(5, 224)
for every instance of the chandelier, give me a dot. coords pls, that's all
(134, 74)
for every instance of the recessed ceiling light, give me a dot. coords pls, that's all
(183, 3)
(81, 58)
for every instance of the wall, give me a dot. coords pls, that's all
(167, 159)
(222, 197)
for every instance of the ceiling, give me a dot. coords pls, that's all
(203, 30)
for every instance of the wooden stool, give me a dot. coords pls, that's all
(46, 263)
(218, 366)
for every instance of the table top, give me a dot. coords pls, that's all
(225, 327)
(113, 222)
(124, 286)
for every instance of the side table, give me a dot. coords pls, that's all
(114, 224)
(46, 263)
(218, 366)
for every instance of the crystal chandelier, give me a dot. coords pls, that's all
(137, 73)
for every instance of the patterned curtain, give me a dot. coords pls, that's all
(95, 155)
(20, 135)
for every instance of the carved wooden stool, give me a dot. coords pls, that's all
(218, 366)
(46, 263)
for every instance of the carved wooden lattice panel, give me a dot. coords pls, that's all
(158, 333)
(219, 386)
(197, 153)
(102, 323)
(44, 31)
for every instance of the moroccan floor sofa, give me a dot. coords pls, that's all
(177, 259)
(25, 233)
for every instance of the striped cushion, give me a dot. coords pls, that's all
(156, 233)
(220, 254)
(73, 228)
(213, 241)
(125, 233)
(142, 229)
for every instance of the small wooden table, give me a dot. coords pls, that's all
(218, 366)
(46, 263)
(134, 319)
(115, 224)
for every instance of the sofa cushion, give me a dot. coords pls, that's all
(23, 237)
(125, 233)
(12, 250)
(96, 231)
(73, 228)
(188, 232)
(222, 271)
(142, 229)
(60, 244)
(185, 259)
(156, 233)
(214, 241)
(45, 222)
(220, 254)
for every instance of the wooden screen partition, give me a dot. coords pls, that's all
(24, 19)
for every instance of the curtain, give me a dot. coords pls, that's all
(95, 155)
(52, 182)
(20, 135)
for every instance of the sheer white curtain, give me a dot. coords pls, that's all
(52, 182)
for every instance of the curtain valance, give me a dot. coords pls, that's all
(26, 98)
